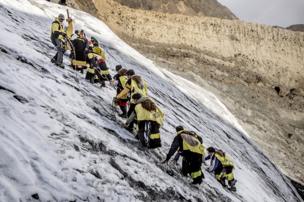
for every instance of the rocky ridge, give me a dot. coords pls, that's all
(210, 8)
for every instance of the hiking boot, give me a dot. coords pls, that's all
(232, 188)
(170, 172)
(223, 182)
(130, 130)
(60, 65)
(123, 116)
(232, 185)
(197, 181)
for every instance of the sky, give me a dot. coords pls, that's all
(270, 12)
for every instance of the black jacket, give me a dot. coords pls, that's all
(80, 46)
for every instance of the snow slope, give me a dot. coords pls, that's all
(60, 141)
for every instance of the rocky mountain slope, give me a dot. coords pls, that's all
(61, 141)
(255, 69)
(210, 8)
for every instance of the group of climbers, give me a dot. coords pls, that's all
(97, 70)
(190, 146)
(85, 53)
(137, 107)
(132, 91)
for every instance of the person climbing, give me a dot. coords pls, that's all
(149, 118)
(222, 167)
(116, 76)
(104, 72)
(96, 49)
(58, 36)
(98, 70)
(80, 45)
(129, 74)
(75, 35)
(135, 84)
(121, 80)
(179, 153)
(191, 149)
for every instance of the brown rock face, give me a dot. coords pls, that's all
(257, 70)
(188, 7)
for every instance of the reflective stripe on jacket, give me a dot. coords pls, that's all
(91, 70)
(104, 72)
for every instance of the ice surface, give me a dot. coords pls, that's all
(59, 137)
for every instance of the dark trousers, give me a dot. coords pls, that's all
(89, 76)
(218, 170)
(58, 58)
(224, 173)
(146, 131)
(228, 174)
(80, 55)
(123, 109)
(154, 142)
(102, 78)
(191, 164)
(130, 111)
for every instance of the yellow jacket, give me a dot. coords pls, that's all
(224, 159)
(134, 88)
(192, 144)
(99, 51)
(57, 29)
(123, 80)
(144, 115)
